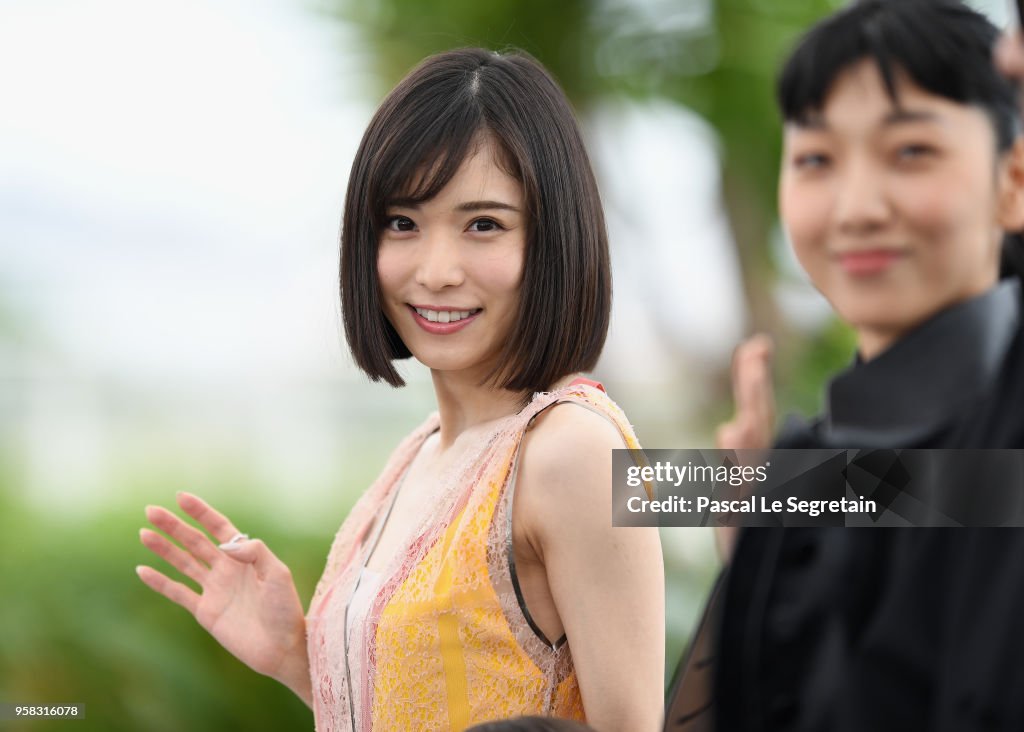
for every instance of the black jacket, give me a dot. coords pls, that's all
(879, 629)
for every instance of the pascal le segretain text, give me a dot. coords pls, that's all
(752, 504)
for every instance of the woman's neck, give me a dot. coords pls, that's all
(464, 403)
(872, 342)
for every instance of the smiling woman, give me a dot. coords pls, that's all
(452, 265)
(896, 201)
(479, 577)
(504, 121)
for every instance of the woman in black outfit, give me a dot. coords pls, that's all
(902, 172)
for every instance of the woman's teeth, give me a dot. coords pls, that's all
(445, 316)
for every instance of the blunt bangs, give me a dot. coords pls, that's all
(943, 46)
(417, 141)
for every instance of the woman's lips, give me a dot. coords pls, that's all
(425, 318)
(869, 261)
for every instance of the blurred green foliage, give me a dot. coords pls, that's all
(80, 627)
(803, 390)
(401, 33)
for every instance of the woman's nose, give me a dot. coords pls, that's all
(861, 204)
(440, 263)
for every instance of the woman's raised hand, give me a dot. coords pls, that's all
(248, 601)
(753, 424)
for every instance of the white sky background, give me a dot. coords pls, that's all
(171, 182)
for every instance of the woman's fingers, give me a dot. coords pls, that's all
(181, 560)
(191, 538)
(173, 591)
(256, 553)
(752, 386)
(214, 521)
(755, 399)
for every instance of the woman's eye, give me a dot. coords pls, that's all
(811, 161)
(401, 223)
(483, 225)
(914, 151)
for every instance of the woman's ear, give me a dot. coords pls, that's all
(1011, 194)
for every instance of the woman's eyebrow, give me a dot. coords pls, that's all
(815, 121)
(811, 120)
(403, 203)
(414, 204)
(901, 116)
(482, 205)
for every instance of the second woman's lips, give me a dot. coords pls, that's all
(868, 261)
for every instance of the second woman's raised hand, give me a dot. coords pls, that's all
(753, 424)
(248, 601)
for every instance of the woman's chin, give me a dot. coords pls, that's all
(446, 364)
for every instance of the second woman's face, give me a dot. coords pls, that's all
(450, 268)
(893, 211)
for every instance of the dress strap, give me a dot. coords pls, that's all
(588, 382)
(580, 400)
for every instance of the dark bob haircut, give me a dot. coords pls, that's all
(413, 147)
(944, 46)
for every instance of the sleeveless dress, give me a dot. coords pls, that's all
(444, 640)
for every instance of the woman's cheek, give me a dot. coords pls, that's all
(935, 208)
(805, 216)
(388, 267)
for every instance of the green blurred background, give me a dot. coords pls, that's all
(86, 440)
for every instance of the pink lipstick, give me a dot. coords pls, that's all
(868, 262)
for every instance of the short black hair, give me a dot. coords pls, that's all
(944, 46)
(412, 148)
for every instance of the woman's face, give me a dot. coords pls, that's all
(894, 212)
(450, 268)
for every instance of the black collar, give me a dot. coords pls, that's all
(914, 390)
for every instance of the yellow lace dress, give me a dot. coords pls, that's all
(444, 641)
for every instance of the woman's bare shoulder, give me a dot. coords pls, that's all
(569, 447)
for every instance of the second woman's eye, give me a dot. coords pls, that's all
(401, 223)
(484, 225)
(914, 151)
(811, 161)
